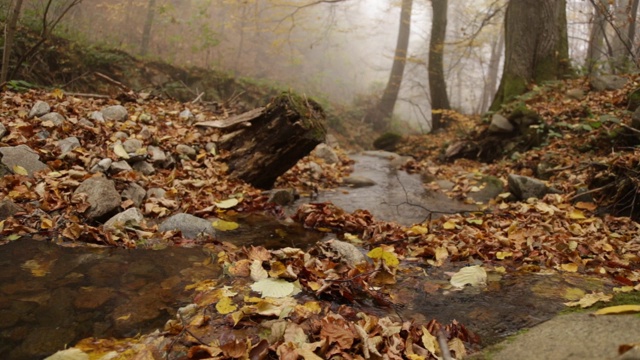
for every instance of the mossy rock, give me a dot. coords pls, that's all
(633, 100)
(387, 141)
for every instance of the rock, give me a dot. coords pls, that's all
(158, 193)
(68, 144)
(69, 354)
(524, 187)
(445, 184)
(135, 193)
(500, 124)
(132, 145)
(145, 133)
(156, 154)
(316, 170)
(190, 226)
(387, 155)
(283, 197)
(348, 252)
(358, 181)
(577, 94)
(23, 156)
(331, 141)
(85, 122)
(120, 166)
(145, 118)
(8, 208)
(607, 82)
(120, 135)
(211, 147)
(326, 153)
(144, 167)
(101, 195)
(38, 109)
(114, 113)
(186, 150)
(131, 216)
(186, 115)
(3, 130)
(399, 161)
(491, 187)
(387, 141)
(102, 165)
(54, 117)
(96, 116)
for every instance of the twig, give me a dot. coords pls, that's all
(590, 191)
(444, 348)
(112, 81)
(630, 128)
(198, 98)
(97, 96)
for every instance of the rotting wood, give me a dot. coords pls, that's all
(281, 133)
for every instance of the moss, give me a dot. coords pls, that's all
(633, 100)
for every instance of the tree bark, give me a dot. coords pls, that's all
(536, 46)
(9, 33)
(437, 83)
(279, 135)
(380, 115)
(492, 76)
(621, 46)
(596, 50)
(148, 25)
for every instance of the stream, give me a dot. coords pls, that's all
(52, 296)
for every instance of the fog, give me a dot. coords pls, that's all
(339, 51)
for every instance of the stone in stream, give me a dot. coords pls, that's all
(326, 153)
(348, 252)
(130, 217)
(22, 156)
(38, 109)
(524, 187)
(190, 226)
(358, 181)
(102, 196)
(283, 197)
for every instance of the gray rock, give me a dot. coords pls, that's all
(23, 156)
(382, 154)
(85, 122)
(500, 124)
(190, 226)
(120, 166)
(348, 252)
(120, 135)
(130, 217)
(54, 117)
(3, 130)
(358, 181)
(316, 170)
(8, 208)
(399, 161)
(607, 82)
(186, 115)
(145, 133)
(326, 153)
(524, 187)
(144, 167)
(145, 118)
(211, 147)
(102, 165)
(96, 116)
(577, 94)
(132, 145)
(68, 144)
(186, 150)
(282, 197)
(38, 109)
(156, 154)
(445, 184)
(156, 193)
(492, 187)
(114, 113)
(135, 193)
(331, 141)
(101, 195)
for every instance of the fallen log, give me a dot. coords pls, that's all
(272, 139)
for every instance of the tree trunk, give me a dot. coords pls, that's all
(278, 136)
(492, 76)
(380, 115)
(146, 30)
(536, 46)
(9, 33)
(596, 50)
(437, 84)
(621, 43)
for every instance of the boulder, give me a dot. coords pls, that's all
(524, 187)
(500, 124)
(55, 118)
(102, 196)
(130, 217)
(114, 113)
(22, 156)
(190, 226)
(324, 152)
(607, 82)
(38, 109)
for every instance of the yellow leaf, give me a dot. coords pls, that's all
(470, 275)
(590, 299)
(570, 267)
(237, 316)
(388, 257)
(226, 306)
(124, 317)
(586, 205)
(501, 255)
(227, 204)
(474, 221)
(574, 294)
(58, 93)
(19, 170)
(119, 150)
(223, 225)
(429, 341)
(576, 214)
(623, 289)
(313, 307)
(352, 238)
(419, 230)
(620, 309)
(46, 223)
(449, 225)
(441, 254)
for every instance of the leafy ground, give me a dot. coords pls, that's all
(291, 303)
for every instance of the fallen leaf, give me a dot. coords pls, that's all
(119, 150)
(224, 225)
(277, 288)
(19, 170)
(470, 275)
(388, 257)
(226, 306)
(501, 255)
(586, 205)
(227, 204)
(590, 299)
(576, 214)
(570, 267)
(449, 225)
(620, 309)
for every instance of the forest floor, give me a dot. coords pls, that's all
(314, 303)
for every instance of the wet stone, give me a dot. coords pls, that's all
(190, 226)
(130, 217)
(92, 297)
(41, 340)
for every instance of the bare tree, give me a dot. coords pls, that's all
(146, 30)
(491, 80)
(9, 33)
(596, 50)
(380, 115)
(437, 83)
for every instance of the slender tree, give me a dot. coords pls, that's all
(9, 33)
(379, 115)
(491, 80)
(146, 30)
(437, 83)
(596, 50)
(536, 46)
